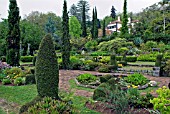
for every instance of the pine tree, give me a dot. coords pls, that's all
(46, 69)
(84, 32)
(50, 26)
(13, 37)
(124, 29)
(113, 13)
(104, 31)
(65, 38)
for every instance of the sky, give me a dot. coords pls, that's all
(56, 6)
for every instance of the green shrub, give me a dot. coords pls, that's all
(19, 81)
(30, 79)
(105, 60)
(113, 60)
(34, 60)
(147, 57)
(131, 58)
(119, 58)
(136, 79)
(124, 63)
(117, 98)
(105, 78)
(6, 81)
(91, 66)
(162, 101)
(51, 106)
(158, 60)
(104, 69)
(100, 53)
(122, 50)
(2, 76)
(26, 58)
(167, 57)
(75, 62)
(46, 69)
(86, 78)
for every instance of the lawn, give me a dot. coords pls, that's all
(24, 94)
(137, 68)
(141, 63)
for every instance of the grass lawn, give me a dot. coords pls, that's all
(137, 68)
(141, 63)
(24, 94)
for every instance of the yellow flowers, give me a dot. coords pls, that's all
(120, 65)
(133, 86)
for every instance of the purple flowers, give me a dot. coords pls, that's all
(4, 65)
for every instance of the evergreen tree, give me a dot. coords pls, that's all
(65, 38)
(46, 69)
(113, 13)
(96, 24)
(80, 9)
(124, 29)
(104, 31)
(13, 37)
(84, 32)
(73, 11)
(50, 26)
(93, 24)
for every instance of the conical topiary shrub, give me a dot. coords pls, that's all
(46, 69)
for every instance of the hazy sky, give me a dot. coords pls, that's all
(55, 6)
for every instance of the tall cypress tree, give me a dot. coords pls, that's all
(92, 29)
(96, 24)
(104, 31)
(84, 32)
(65, 38)
(13, 37)
(124, 29)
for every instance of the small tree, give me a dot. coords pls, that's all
(65, 38)
(84, 31)
(46, 69)
(13, 37)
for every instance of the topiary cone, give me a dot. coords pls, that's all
(46, 69)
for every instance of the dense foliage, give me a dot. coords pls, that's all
(13, 37)
(46, 69)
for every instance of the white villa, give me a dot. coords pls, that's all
(115, 26)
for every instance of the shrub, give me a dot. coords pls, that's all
(162, 102)
(46, 69)
(34, 60)
(136, 79)
(104, 69)
(105, 78)
(76, 63)
(86, 78)
(91, 66)
(4, 65)
(167, 57)
(108, 93)
(14, 72)
(26, 58)
(100, 53)
(51, 106)
(119, 58)
(122, 50)
(113, 60)
(131, 58)
(167, 67)
(147, 57)
(158, 60)
(2, 76)
(19, 81)
(6, 81)
(3, 58)
(30, 79)
(105, 60)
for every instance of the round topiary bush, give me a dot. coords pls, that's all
(46, 69)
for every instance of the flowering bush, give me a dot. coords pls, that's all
(4, 65)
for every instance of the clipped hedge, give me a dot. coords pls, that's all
(26, 58)
(147, 57)
(131, 58)
(100, 53)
